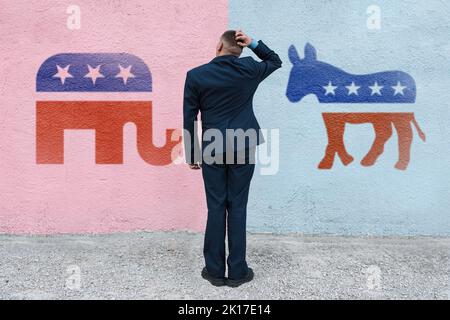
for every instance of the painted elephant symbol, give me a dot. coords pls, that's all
(97, 72)
(333, 85)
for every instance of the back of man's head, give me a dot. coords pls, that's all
(230, 45)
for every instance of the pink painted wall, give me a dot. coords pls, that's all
(80, 196)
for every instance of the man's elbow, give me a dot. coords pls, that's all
(277, 62)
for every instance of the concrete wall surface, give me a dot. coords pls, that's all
(58, 175)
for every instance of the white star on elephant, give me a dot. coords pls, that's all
(94, 73)
(63, 73)
(125, 73)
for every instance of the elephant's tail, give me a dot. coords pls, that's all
(419, 131)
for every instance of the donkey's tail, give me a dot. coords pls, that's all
(419, 131)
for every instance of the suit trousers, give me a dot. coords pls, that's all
(227, 188)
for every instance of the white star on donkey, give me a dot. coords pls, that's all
(63, 73)
(125, 73)
(352, 89)
(399, 89)
(329, 88)
(376, 89)
(94, 73)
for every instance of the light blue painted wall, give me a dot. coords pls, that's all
(415, 38)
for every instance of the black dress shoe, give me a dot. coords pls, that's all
(236, 283)
(218, 282)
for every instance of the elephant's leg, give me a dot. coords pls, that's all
(383, 131)
(335, 126)
(49, 144)
(49, 134)
(109, 144)
(404, 133)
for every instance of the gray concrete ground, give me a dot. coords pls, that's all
(167, 266)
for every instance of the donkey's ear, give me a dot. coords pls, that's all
(310, 52)
(293, 55)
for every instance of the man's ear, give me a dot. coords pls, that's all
(220, 46)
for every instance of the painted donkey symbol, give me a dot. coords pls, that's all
(333, 85)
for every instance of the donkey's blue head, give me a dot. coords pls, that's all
(303, 70)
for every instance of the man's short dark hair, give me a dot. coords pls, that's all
(230, 44)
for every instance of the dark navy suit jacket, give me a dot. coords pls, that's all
(222, 90)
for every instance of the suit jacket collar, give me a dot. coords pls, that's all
(224, 57)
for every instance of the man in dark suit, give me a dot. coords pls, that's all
(222, 91)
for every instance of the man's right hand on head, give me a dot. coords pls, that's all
(242, 39)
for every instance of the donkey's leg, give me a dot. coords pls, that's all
(383, 131)
(404, 133)
(335, 125)
(331, 126)
(345, 157)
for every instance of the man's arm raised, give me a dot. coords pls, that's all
(270, 60)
